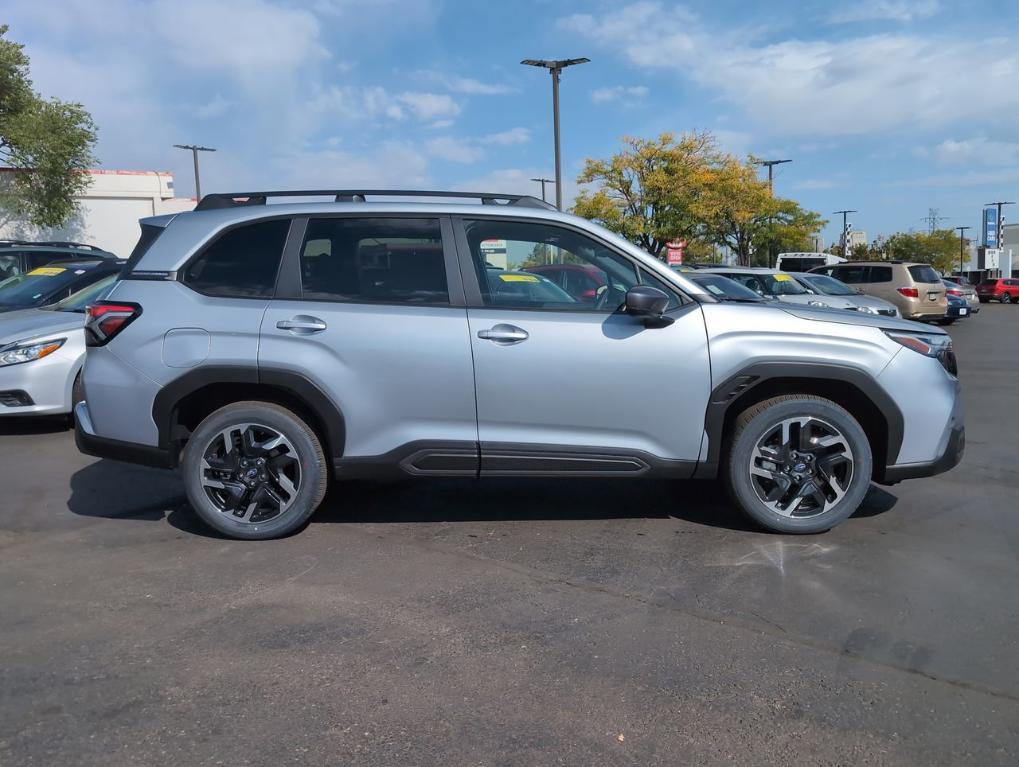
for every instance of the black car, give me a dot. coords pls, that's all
(21, 256)
(958, 308)
(48, 284)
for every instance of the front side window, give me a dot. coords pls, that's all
(242, 263)
(851, 275)
(511, 259)
(374, 260)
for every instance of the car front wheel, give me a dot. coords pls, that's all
(254, 470)
(1006, 298)
(798, 464)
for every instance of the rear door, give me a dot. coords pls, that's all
(565, 386)
(370, 309)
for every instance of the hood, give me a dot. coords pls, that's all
(872, 301)
(805, 299)
(861, 318)
(26, 324)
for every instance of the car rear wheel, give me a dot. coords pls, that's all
(1006, 298)
(984, 300)
(254, 470)
(798, 464)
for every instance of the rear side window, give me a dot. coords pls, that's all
(374, 260)
(851, 274)
(880, 274)
(242, 263)
(148, 236)
(923, 273)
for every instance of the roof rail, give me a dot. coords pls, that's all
(53, 244)
(240, 199)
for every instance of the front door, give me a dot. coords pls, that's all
(370, 309)
(566, 386)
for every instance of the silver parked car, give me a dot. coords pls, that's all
(965, 291)
(41, 354)
(772, 283)
(265, 349)
(841, 296)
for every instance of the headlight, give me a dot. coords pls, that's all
(818, 303)
(867, 309)
(18, 353)
(937, 346)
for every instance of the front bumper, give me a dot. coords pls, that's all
(40, 387)
(90, 443)
(949, 459)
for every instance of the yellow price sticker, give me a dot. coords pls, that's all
(47, 271)
(518, 278)
(782, 278)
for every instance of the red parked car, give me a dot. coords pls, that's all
(999, 289)
(581, 281)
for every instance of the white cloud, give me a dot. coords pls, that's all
(853, 85)
(624, 93)
(885, 10)
(429, 106)
(453, 150)
(469, 86)
(815, 183)
(217, 106)
(974, 151)
(508, 137)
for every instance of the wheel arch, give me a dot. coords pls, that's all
(850, 388)
(184, 402)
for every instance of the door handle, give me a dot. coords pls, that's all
(504, 334)
(302, 324)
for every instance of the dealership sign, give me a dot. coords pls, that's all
(990, 228)
(674, 251)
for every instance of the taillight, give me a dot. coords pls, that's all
(105, 319)
(954, 292)
(909, 292)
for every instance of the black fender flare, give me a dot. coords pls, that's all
(728, 394)
(295, 385)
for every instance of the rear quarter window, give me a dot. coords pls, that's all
(241, 263)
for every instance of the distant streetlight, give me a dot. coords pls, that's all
(962, 244)
(845, 230)
(555, 68)
(770, 165)
(543, 181)
(195, 149)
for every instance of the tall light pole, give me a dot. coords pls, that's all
(555, 68)
(543, 181)
(845, 230)
(998, 226)
(962, 244)
(770, 165)
(195, 149)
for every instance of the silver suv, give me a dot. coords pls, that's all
(266, 348)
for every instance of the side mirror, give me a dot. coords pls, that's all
(649, 304)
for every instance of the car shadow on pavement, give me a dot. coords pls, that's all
(18, 426)
(123, 491)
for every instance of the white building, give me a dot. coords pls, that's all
(109, 210)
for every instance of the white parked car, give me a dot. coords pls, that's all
(41, 354)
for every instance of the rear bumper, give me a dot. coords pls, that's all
(90, 443)
(949, 459)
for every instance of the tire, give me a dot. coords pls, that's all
(1006, 298)
(847, 458)
(984, 300)
(269, 482)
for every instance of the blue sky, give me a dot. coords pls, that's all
(886, 106)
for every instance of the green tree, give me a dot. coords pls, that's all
(940, 249)
(647, 192)
(739, 211)
(49, 142)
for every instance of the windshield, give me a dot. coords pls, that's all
(769, 284)
(76, 302)
(828, 285)
(723, 288)
(38, 285)
(528, 287)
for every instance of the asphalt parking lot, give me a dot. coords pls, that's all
(502, 623)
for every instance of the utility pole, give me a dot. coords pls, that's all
(543, 181)
(555, 68)
(195, 149)
(962, 244)
(845, 229)
(770, 165)
(1001, 221)
(933, 219)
